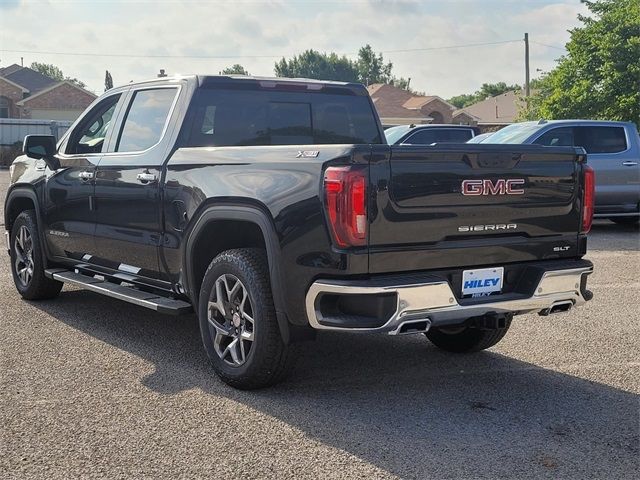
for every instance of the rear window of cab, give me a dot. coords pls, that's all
(229, 117)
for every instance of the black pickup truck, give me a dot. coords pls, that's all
(274, 208)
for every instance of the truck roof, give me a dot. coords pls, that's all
(576, 121)
(204, 79)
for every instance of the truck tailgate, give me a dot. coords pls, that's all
(470, 205)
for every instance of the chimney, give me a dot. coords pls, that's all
(162, 74)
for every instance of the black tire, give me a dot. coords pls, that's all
(625, 220)
(34, 286)
(466, 339)
(268, 359)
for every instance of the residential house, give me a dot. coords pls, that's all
(396, 106)
(494, 112)
(25, 93)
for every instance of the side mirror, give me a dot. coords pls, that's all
(41, 147)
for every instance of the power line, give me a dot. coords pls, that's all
(210, 57)
(550, 46)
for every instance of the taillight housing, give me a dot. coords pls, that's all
(588, 198)
(345, 200)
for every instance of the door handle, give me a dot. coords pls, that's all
(629, 163)
(84, 176)
(146, 177)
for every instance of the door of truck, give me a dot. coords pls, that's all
(611, 154)
(69, 210)
(127, 191)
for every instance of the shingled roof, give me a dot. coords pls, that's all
(499, 110)
(25, 77)
(394, 102)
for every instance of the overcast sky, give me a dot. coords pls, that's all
(257, 33)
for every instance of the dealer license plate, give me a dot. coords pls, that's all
(482, 282)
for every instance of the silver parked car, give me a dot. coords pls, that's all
(613, 150)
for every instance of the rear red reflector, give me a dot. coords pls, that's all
(345, 191)
(588, 198)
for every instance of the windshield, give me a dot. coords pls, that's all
(516, 133)
(480, 138)
(394, 134)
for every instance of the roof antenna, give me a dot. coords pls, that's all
(22, 61)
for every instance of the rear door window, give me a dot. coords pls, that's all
(146, 119)
(423, 137)
(221, 117)
(556, 137)
(601, 139)
(459, 135)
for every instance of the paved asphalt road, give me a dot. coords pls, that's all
(92, 387)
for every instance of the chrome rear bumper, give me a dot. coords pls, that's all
(434, 303)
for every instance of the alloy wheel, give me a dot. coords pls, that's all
(230, 317)
(23, 248)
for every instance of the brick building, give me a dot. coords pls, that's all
(396, 106)
(25, 93)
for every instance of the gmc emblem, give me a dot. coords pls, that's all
(489, 187)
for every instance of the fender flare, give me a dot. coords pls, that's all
(20, 191)
(249, 214)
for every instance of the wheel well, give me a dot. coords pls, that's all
(218, 236)
(15, 208)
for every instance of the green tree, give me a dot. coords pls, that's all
(317, 65)
(54, 72)
(368, 68)
(372, 67)
(599, 76)
(108, 81)
(236, 69)
(463, 100)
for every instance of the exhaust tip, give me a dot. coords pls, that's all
(412, 327)
(559, 307)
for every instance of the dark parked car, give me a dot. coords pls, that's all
(274, 209)
(429, 134)
(613, 150)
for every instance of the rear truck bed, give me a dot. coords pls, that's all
(456, 234)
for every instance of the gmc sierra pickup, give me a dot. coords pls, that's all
(274, 208)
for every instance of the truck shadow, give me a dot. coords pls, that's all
(398, 403)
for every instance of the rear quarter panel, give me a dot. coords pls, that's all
(272, 179)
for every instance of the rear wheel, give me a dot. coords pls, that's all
(27, 262)
(238, 321)
(625, 220)
(467, 338)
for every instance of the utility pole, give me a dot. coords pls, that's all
(527, 90)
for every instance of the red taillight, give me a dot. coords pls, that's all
(345, 200)
(588, 198)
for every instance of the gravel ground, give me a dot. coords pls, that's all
(96, 388)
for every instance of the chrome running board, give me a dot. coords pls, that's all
(133, 295)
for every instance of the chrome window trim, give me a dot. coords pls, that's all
(122, 91)
(133, 93)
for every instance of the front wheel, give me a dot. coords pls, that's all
(238, 321)
(27, 262)
(468, 338)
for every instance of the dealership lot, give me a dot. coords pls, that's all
(92, 387)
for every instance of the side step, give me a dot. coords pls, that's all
(153, 301)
